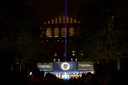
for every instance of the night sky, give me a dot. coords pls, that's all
(46, 8)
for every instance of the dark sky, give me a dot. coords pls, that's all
(46, 8)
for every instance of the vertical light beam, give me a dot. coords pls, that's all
(65, 14)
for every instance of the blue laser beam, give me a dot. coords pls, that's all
(65, 14)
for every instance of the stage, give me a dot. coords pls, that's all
(66, 70)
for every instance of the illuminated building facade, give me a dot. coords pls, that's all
(58, 34)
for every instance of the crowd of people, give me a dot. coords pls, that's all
(108, 77)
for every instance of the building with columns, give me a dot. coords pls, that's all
(58, 33)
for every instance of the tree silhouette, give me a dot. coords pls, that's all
(19, 31)
(103, 29)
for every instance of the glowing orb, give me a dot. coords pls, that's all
(65, 66)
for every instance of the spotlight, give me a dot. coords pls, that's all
(54, 59)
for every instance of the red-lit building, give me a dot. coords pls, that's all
(58, 33)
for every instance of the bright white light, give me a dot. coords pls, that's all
(76, 59)
(71, 59)
(84, 65)
(58, 59)
(30, 73)
(54, 59)
(65, 76)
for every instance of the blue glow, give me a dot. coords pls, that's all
(65, 50)
(57, 66)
